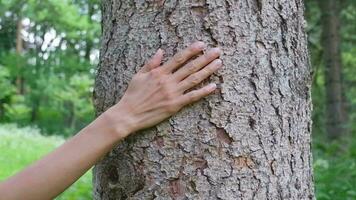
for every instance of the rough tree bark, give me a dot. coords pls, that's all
(336, 114)
(250, 140)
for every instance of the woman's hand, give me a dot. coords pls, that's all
(157, 92)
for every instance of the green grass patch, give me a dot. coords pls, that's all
(20, 147)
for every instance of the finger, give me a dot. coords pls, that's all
(197, 64)
(199, 76)
(183, 56)
(154, 62)
(196, 95)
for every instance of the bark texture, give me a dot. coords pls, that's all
(336, 115)
(250, 140)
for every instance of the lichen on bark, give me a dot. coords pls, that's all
(249, 140)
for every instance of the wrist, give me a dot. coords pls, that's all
(119, 121)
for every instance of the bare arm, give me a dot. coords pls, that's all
(154, 94)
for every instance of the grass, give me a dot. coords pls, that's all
(19, 147)
(334, 163)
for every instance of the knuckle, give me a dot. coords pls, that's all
(167, 93)
(193, 96)
(170, 96)
(149, 64)
(194, 79)
(191, 67)
(179, 58)
(156, 74)
(171, 108)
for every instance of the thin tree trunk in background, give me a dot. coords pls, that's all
(336, 117)
(250, 140)
(34, 110)
(19, 48)
(2, 109)
(70, 120)
(19, 41)
(88, 42)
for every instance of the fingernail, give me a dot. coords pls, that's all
(216, 51)
(212, 86)
(201, 45)
(158, 52)
(218, 62)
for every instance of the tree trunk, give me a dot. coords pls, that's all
(19, 48)
(88, 40)
(250, 140)
(336, 117)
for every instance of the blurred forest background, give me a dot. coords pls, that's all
(49, 50)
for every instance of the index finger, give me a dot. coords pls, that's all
(183, 56)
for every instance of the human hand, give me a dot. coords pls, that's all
(154, 93)
(157, 92)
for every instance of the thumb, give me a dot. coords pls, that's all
(154, 62)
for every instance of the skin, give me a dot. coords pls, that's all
(155, 93)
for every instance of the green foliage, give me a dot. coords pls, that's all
(349, 61)
(7, 89)
(20, 147)
(348, 50)
(334, 161)
(58, 76)
(18, 111)
(334, 169)
(48, 83)
(58, 97)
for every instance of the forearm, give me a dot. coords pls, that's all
(51, 175)
(155, 93)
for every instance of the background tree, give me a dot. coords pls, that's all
(249, 140)
(336, 110)
(59, 80)
(48, 53)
